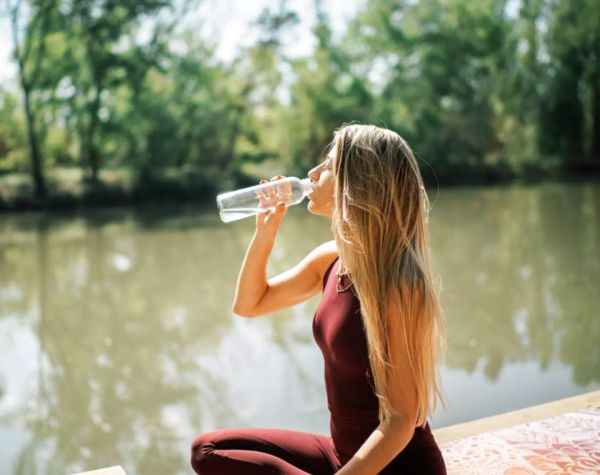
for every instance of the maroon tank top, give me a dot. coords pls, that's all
(338, 330)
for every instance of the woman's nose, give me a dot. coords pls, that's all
(314, 173)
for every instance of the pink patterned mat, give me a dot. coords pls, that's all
(565, 444)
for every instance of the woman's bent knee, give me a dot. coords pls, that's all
(201, 450)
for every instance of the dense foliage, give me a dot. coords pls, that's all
(131, 106)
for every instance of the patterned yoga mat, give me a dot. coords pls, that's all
(560, 445)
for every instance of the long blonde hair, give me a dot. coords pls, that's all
(380, 227)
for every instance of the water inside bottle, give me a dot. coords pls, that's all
(233, 214)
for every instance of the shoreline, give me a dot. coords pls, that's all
(106, 196)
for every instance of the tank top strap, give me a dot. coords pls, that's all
(328, 271)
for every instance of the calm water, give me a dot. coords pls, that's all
(118, 345)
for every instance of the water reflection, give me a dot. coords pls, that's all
(118, 344)
(521, 276)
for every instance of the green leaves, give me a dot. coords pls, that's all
(482, 90)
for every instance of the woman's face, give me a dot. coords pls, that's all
(321, 197)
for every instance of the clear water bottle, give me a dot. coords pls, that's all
(250, 201)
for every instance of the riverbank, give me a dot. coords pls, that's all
(67, 190)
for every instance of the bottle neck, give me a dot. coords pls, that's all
(306, 185)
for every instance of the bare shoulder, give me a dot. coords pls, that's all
(322, 257)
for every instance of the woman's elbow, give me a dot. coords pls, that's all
(242, 312)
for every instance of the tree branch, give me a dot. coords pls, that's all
(45, 13)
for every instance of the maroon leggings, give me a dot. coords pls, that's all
(254, 451)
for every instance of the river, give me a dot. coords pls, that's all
(118, 344)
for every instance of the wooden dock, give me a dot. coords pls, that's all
(521, 416)
(116, 470)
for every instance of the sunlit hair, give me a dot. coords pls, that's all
(380, 227)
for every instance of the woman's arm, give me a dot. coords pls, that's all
(252, 280)
(255, 295)
(384, 443)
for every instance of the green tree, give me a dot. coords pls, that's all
(260, 69)
(184, 119)
(570, 120)
(437, 67)
(13, 136)
(32, 19)
(326, 92)
(95, 32)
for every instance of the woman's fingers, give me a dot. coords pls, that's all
(268, 193)
(276, 200)
(262, 197)
(283, 189)
(271, 190)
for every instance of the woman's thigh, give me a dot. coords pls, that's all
(260, 451)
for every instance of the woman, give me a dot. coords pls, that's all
(378, 323)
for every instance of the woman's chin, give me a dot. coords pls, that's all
(312, 208)
(316, 210)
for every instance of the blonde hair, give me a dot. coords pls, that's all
(380, 227)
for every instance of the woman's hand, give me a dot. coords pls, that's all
(270, 219)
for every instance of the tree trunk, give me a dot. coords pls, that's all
(595, 152)
(37, 173)
(92, 157)
(27, 83)
(94, 162)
